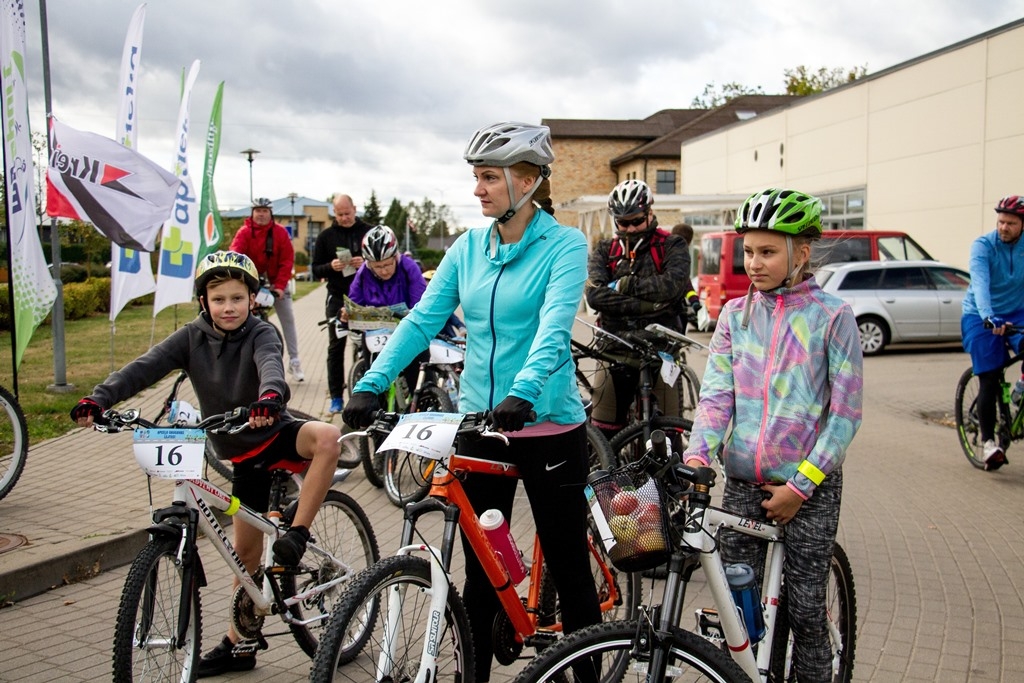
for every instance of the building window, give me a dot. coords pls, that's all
(843, 210)
(666, 182)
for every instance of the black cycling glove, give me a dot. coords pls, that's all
(87, 408)
(512, 414)
(269, 405)
(361, 409)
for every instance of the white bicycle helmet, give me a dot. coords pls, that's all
(379, 243)
(509, 143)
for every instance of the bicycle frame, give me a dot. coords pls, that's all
(448, 497)
(203, 497)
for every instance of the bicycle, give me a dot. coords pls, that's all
(159, 618)
(1009, 416)
(689, 528)
(647, 350)
(655, 348)
(13, 441)
(425, 633)
(182, 413)
(407, 477)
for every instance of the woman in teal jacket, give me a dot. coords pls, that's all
(519, 282)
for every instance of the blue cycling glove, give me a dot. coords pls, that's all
(994, 321)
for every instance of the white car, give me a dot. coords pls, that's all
(899, 301)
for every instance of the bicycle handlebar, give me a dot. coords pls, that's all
(472, 423)
(114, 421)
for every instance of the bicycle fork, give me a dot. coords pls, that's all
(177, 522)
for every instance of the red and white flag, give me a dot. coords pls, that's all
(123, 194)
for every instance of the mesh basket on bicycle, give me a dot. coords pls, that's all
(628, 506)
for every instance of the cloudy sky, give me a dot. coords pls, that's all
(361, 96)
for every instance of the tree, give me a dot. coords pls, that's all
(396, 219)
(431, 220)
(713, 96)
(371, 211)
(802, 81)
(95, 245)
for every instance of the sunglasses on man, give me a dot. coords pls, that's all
(631, 222)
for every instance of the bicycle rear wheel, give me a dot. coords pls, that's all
(146, 646)
(373, 462)
(13, 442)
(342, 529)
(407, 476)
(841, 606)
(403, 583)
(621, 651)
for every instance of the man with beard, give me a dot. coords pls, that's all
(634, 279)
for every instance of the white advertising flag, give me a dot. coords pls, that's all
(34, 291)
(179, 243)
(131, 272)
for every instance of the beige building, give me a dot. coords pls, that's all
(927, 146)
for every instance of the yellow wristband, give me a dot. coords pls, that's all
(811, 472)
(233, 508)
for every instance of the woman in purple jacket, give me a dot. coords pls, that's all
(387, 278)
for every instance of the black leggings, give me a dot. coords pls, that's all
(989, 388)
(554, 472)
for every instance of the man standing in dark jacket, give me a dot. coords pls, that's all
(634, 279)
(345, 232)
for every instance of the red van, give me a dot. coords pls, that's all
(720, 273)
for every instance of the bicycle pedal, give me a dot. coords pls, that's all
(709, 625)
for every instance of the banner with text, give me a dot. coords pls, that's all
(209, 215)
(30, 279)
(131, 271)
(179, 242)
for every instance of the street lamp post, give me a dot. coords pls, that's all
(251, 154)
(295, 224)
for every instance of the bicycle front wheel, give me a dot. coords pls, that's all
(13, 441)
(390, 602)
(968, 429)
(841, 607)
(630, 444)
(407, 476)
(342, 529)
(621, 651)
(146, 644)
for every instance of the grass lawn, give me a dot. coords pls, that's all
(90, 357)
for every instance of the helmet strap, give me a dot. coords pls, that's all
(545, 172)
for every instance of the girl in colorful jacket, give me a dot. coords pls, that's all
(785, 373)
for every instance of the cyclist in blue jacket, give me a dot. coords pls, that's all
(519, 281)
(994, 299)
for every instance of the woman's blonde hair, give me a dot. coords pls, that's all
(542, 195)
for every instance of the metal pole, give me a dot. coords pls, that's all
(251, 154)
(60, 380)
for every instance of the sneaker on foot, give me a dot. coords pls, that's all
(295, 367)
(226, 657)
(289, 549)
(337, 405)
(992, 455)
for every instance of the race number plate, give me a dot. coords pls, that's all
(445, 353)
(669, 370)
(170, 453)
(428, 435)
(376, 339)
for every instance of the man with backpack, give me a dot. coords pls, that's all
(636, 278)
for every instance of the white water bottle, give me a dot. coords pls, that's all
(496, 528)
(453, 391)
(1018, 392)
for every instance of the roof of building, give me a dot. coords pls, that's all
(739, 109)
(650, 128)
(281, 207)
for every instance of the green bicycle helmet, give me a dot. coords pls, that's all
(226, 262)
(787, 211)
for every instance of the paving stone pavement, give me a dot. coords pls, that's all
(935, 545)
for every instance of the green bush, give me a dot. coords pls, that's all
(102, 287)
(73, 273)
(301, 258)
(82, 299)
(429, 258)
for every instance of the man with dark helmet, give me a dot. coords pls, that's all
(636, 278)
(995, 299)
